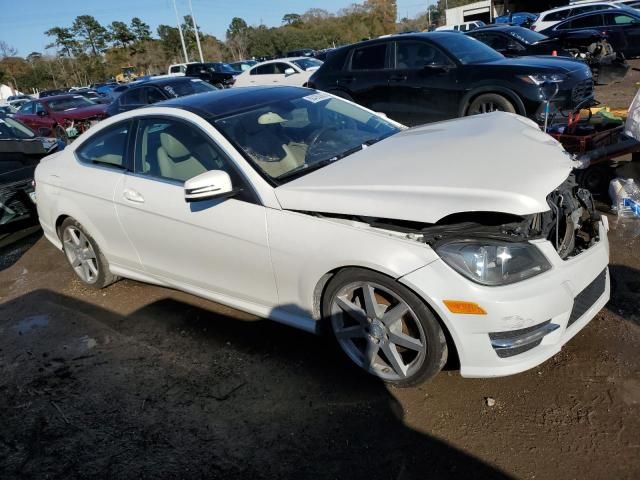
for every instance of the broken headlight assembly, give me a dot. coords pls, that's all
(493, 263)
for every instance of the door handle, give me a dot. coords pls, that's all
(348, 79)
(132, 196)
(398, 78)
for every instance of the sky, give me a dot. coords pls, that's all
(23, 22)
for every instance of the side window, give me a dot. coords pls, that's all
(280, 67)
(415, 55)
(620, 19)
(27, 108)
(154, 95)
(369, 58)
(133, 97)
(589, 21)
(107, 147)
(175, 69)
(266, 69)
(38, 108)
(174, 150)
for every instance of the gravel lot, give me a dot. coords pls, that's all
(137, 381)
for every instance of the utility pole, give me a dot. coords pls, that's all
(195, 29)
(184, 48)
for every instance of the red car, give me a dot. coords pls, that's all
(63, 116)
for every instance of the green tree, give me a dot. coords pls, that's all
(63, 40)
(238, 38)
(90, 34)
(140, 30)
(170, 40)
(292, 19)
(120, 34)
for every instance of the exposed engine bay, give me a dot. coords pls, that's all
(570, 224)
(606, 64)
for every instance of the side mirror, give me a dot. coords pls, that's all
(208, 185)
(289, 71)
(42, 113)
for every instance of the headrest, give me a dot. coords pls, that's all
(174, 147)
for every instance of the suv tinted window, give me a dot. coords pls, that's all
(618, 19)
(588, 21)
(417, 55)
(107, 147)
(133, 97)
(369, 58)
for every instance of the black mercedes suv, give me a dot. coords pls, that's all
(426, 77)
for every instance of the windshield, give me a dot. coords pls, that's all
(194, 85)
(221, 68)
(289, 138)
(526, 35)
(69, 103)
(307, 63)
(469, 51)
(10, 128)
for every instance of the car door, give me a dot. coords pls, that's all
(623, 31)
(42, 118)
(366, 77)
(424, 86)
(293, 78)
(218, 246)
(26, 114)
(262, 74)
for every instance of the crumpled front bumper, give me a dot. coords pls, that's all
(563, 298)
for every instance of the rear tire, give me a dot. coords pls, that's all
(490, 102)
(383, 327)
(84, 255)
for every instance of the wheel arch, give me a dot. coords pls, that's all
(504, 91)
(323, 282)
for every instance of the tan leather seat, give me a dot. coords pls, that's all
(175, 161)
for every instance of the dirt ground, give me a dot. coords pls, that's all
(137, 381)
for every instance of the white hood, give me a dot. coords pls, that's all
(497, 162)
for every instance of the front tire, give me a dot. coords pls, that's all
(490, 102)
(384, 328)
(84, 256)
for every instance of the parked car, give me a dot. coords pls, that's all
(301, 52)
(154, 91)
(243, 65)
(297, 206)
(551, 17)
(285, 71)
(8, 110)
(622, 27)
(93, 95)
(52, 93)
(426, 77)
(218, 74)
(521, 19)
(178, 69)
(462, 27)
(63, 116)
(18, 103)
(590, 46)
(104, 88)
(20, 151)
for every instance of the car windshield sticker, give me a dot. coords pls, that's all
(316, 97)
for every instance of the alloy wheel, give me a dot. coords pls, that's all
(378, 330)
(80, 254)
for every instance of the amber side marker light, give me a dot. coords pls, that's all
(468, 308)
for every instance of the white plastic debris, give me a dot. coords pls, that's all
(490, 401)
(625, 197)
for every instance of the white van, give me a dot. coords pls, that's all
(463, 27)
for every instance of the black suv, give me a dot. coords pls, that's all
(218, 74)
(426, 77)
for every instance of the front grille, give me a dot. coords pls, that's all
(587, 297)
(582, 90)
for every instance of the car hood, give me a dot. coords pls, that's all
(82, 113)
(544, 62)
(497, 162)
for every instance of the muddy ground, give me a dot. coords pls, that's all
(137, 381)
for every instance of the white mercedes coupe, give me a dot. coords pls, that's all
(468, 235)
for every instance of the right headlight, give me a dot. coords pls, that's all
(493, 263)
(544, 78)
